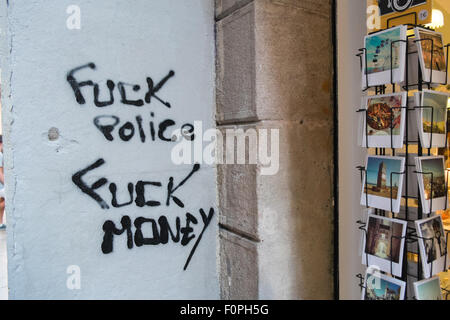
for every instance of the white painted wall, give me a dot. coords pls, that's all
(52, 224)
(351, 22)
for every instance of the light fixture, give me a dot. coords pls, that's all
(437, 19)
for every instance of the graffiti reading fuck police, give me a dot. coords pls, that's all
(111, 125)
(164, 229)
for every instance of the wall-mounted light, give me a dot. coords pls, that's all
(437, 19)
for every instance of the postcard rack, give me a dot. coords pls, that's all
(411, 238)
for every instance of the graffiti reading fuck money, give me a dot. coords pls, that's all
(143, 231)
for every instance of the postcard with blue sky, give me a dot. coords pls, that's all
(378, 49)
(379, 176)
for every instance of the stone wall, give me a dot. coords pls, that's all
(275, 70)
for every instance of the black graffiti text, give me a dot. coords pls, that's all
(113, 128)
(161, 234)
(136, 191)
(126, 90)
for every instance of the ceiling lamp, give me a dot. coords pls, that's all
(437, 19)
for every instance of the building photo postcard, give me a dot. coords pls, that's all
(383, 182)
(433, 246)
(378, 286)
(383, 243)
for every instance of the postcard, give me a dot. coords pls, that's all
(384, 120)
(428, 289)
(431, 112)
(378, 48)
(432, 177)
(431, 55)
(384, 177)
(413, 67)
(432, 245)
(381, 287)
(383, 242)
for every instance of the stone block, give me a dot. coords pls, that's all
(294, 59)
(237, 198)
(320, 7)
(238, 267)
(271, 56)
(290, 212)
(238, 192)
(226, 7)
(295, 214)
(235, 70)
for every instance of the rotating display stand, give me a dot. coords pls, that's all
(411, 238)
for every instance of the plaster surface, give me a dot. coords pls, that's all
(50, 136)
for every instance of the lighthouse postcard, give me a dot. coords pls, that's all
(383, 182)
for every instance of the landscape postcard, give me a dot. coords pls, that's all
(431, 53)
(384, 182)
(434, 121)
(432, 116)
(433, 175)
(379, 177)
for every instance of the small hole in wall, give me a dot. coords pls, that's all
(53, 134)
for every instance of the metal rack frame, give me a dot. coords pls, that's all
(411, 236)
